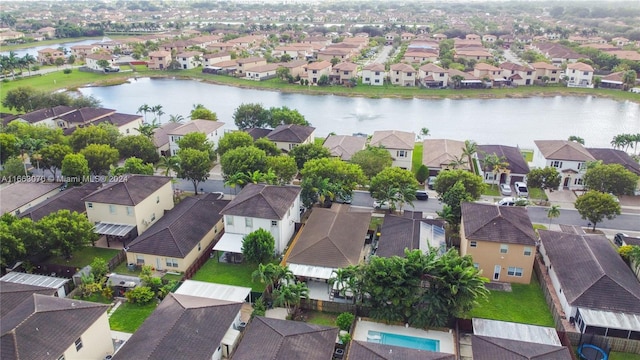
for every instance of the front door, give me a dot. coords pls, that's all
(496, 272)
(566, 181)
(158, 264)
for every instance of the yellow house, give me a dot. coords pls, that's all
(134, 202)
(180, 237)
(500, 239)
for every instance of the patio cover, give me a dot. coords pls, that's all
(230, 243)
(515, 331)
(104, 228)
(35, 280)
(317, 272)
(214, 291)
(610, 319)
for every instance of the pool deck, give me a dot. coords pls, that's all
(446, 339)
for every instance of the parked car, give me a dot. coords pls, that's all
(422, 195)
(624, 239)
(111, 69)
(505, 189)
(343, 199)
(431, 182)
(521, 189)
(512, 201)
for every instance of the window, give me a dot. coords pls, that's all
(514, 271)
(377, 81)
(78, 344)
(367, 79)
(504, 248)
(112, 209)
(473, 244)
(158, 199)
(127, 131)
(527, 251)
(199, 246)
(274, 223)
(401, 153)
(377, 72)
(90, 205)
(129, 211)
(140, 259)
(229, 220)
(248, 222)
(577, 182)
(586, 73)
(580, 165)
(171, 262)
(61, 357)
(556, 164)
(153, 216)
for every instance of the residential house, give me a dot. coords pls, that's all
(189, 59)
(439, 37)
(375, 351)
(620, 41)
(473, 54)
(127, 124)
(245, 64)
(612, 81)
(494, 339)
(20, 196)
(344, 146)
(59, 286)
(390, 37)
(45, 116)
(180, 237)
(111, 45)
(597, 290)
(49, 327)
(516, 168)
(262, 72)
(625, 54)
(399, 144)
(48, 32)
(82, 117)
(289, 136)
(488, 38)
(13, 294)
(579, 75)
(316, 70)
(443, 154)
(93, 60)
(222, 47)
(267, 338)
(518, 74)
(472, 37)
(550, 71)
(493, 74)
(328, 54)
(374, 74)
(258, 206)
(161, 137)
(212, 129)
(184, 327)
(344, 72)
(409, 232)
(295, 51)
(48, 56)
(331, 239)
(500, 239)
(69, 199)
(569, 158)
(420, 55)
(406, 36)
(557, 53)
(159, 60)
(12, 35)
(614, 156)
(211, 59)
(258, 133)
(433, 76)
(128, 208)
(296, 67)
(81, 51)
(465, 80)
(402, 74)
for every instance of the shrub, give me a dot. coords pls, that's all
(345, 338)
(99, 268)
(422, 174)
(67, 71)
(345, 320)
(259, 308)
(140, 295)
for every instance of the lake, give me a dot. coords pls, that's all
(33, 51)
(486, 121)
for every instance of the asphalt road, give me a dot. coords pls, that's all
(538, 214)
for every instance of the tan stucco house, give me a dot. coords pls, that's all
(399, 144)
(159, 60)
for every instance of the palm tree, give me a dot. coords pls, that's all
(577, 139)
(157, 110)
(469, 149)
(553, 212)
(148, 129)
(144, 109)
(457, 80)
(290, 296)
(457, 162)
(29, 60)
(238, 179)
(176, 119)
(424, 132)
(629, 79)
(169, 163)
(272, 274)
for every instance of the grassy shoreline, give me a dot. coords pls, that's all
(57, 80)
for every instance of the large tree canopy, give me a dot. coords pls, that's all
(194, 165)
(252, 115)
(595, 206)
(198, 141)
(100, 158)
(372, 160)
(306, 152)
(258, 246)
(233, 140)
(104, 133)
(545, 178)
(610, 178)
(329, 177)
(246, 159)
(139, 146)
(473, 184)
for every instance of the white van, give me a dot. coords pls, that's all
(521, 189)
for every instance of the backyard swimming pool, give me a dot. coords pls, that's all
(403, 341)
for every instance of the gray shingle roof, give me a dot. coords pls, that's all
(291, 133)
(69, 199)
(181, 327)
(43, 114)
(263, 201)
(563, 150)
(130, 192)
(332, 238)
(401, 232)
(490, 348)
(19, 194)
(181, 228)
(161, 135)
(257, 133)
(197, 125)
(362, 350)
(613, 156)
(275, 339)
(504, 224)
(58, 322)
(591, 273)
(517, 164)
(86, 114)
(12, 294)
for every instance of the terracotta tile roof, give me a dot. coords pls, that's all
(182, 327)
(263, 201)
(58, 322)
(291, 133)
(437, 153)
(490, 348)
(544, 65)
(319, 65)
(344, 146)
(197, 125)
(362, 350)
(274, 339)
(250, 60)
(591, 273)
(485, 66)
(332, 238)
(346, 66)
(393, 139)
(580, 66)
(432, 68)
(264, 68)
(402, 67)
(294, 64)
(563, 150)
(503, 224)
(374, 67)
(130, 192)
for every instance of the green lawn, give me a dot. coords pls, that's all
(416, 160)
(614, 355)
(84, 256)
(128, 317)
(173, 277)
(321, 318)
(124, 270)
(492, 190)
(98, 298)
(525, 304)
(537, 193)
(230, 274)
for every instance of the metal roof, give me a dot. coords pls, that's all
(317, 272)
(514, 331)
(214, 291)
(230, 243)
(610, 319)
(34, 279)
(103, 228)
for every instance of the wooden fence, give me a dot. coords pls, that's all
(203, 258)
(117, 260)
(327, 306)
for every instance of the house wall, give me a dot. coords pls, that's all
(158, 62)
(401, 162)
(437, 76)
(263, 75)
(572, 179)
(287, 146)
(96, 342)
(243, 67)
(568, 309)
(93, 64)
(188, 63)
(373, 77)
(160, 262)
(487, 255)
(213, 137)
(130, 128)
(578, 77)
(35, 201)
(403, 78)
(315, 75)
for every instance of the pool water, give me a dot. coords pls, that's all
(403, 341)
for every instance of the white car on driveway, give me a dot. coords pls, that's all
(505, 189)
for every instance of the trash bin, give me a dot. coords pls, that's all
(131, 267)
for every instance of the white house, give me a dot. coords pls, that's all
(212, 129)
(189, 59)
(569, 158)
(93, 59)
(373, 74)
(579, 75)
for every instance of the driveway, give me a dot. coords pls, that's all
(511, 57)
